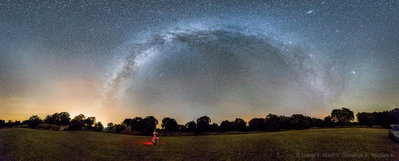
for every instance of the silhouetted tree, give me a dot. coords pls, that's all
(169, 124)
(191, 126)
(58, 119)
(136, 123)
(89, 122)
(98, 126)
(226, 126)
(214, 127)
(203, 124)
(118, 128)
(109, 127)
(385, 118)
(300, 121)
(239, 124)
(149, 124)
(395, 114)
(2, 123)
(49, 119)
(127, 122)
(285, 122)
(182, 128)
(327, 122)
(256, 124)
(9, 123)
(364, 118)
(342, 116)
(77, 122)
(34, 121)
(316, 122)
(64, 118)
(272, 122)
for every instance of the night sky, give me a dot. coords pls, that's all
(186, 59)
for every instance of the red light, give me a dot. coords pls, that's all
(145, 143)
(148, 143)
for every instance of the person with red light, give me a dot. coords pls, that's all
(154, 139)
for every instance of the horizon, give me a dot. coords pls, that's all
(184, 60)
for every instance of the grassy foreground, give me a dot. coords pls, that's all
(314, 144)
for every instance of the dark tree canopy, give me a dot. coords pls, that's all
(385, 118)
(256, 124)
(272, 122)
(169, 124)
(182, 128)
(239, 125)
(226, 126)
(127, 122)
(58, 119)
(49, 119)
(342, 116)
(300, 121)
(118, 128)
(2, 123)
(214, 127)
(191, 126)
(317, 122)
(136, 123)
(98, 126)
(109, 127)
(64, 118)
(77, 122)
(327, 122)
(89, 122)
(286, 123)
(34, 121)
(364, 118)
(203, 123)
(149, 124)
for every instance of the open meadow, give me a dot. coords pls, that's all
(313, 144)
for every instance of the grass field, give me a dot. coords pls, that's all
(314, 144)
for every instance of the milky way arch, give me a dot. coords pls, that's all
(205, 69)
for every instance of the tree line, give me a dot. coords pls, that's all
(146, 125)
(383, 119)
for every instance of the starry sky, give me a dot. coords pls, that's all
(185, 59)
